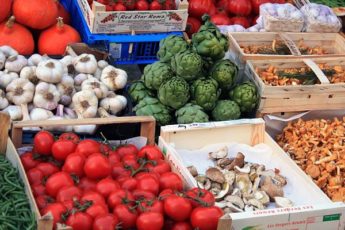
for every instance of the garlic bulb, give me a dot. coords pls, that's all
(87, 129)
(85, 63)
(113, 103)
(59, 116)
(16, 63)
(20, 91)
(66, 89)
(99, 88)
(85, 103)
(3, 100)
(29, 72)
(98, 73)
(2, 60)
(78, 80)
(67, 61)
(69, 113)
(14, 111)
(50, 71)
(35, 59)
(114, 78)
(103, 113)
(6, 78)
(8, 51)
(40, 114)
(102, 64)
(46, 96)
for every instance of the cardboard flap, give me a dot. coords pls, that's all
(76, 49)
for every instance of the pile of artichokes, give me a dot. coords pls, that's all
(192, 82)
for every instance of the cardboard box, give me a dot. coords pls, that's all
(318, 211)
(108, 22)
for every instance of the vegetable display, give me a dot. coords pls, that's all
(87, 184)
(189, 80)
(70, 88)
(15, 207)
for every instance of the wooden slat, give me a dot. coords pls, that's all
(4, 125)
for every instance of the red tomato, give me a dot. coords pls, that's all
(142, 5)
(68, 193)
(165, 193)
(69, 136)
(240, 7)
(197, 8)
(106, 186)
(119, 170)
(206, 218)
(105, 222)
(129, 183)
(151, 206)
(119, 196)
(56, 181)
(150, 221)
(151, 153)
(105, 149)
(95, 197)
(74, 164)
(126, 216)
(38, 190)
(155, 5)
(193, 25)
(47, 168)
(126, 149)
(35, 176)
(182, 226)
(28, 161)
(177, 208)
(68, 204)
(109, 7)
(144, 174)
(161, 167)
(79, 221)
(43, 200)
(222, 4)
(56, 209)
(88, 147)
(119, 7)
(148, 183)
(113, 158)
(87, 184)
(243, 21)
(256, 5)
(97, 210)
(130, 160)
(220, 19)
(62, 148)
(169, 5)
(43, 142)
(205, 197)
(141, 194)
(170, 180)
(213, 10)
(97, 166)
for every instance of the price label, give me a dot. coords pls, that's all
(290, 44)
(115, 50)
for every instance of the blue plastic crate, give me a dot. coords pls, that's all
(144, 46)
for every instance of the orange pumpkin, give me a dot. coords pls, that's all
(5, 9)
(37, 14)
(62, 12)
(53, 41)
(16, 36)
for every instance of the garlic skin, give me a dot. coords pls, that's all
(98, 73)
(58, 116)
(78, 80)
(102, 64)
(113, 103)
(87, 129)
(2, 60)
(16, 63)
(69, 113)
(8, 51)
(6, 78)
(50, 71)
(3, 100)
(35, 59)
(85, 104)
(99, 88)
(46, 96)
(14, 111)
(20, 91)
(29, 72)
(114, 78)
(85, 63)
(40, 114)
(66, 89)
(67, 61)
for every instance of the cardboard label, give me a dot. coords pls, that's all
(115, 50)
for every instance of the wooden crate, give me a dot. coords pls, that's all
(293, 98)
(252, 132)
(147, 130)
(334, 43)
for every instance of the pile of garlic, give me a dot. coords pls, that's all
(74, 87)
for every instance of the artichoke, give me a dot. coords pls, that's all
(152, 107)
(191, 113)
(138, 91)
(246, 96)
(226, 110)
(209, 42)
(187, 64)
(224, 72)
(174, 92)
(155, 74)
(205, 93)
(170, 46)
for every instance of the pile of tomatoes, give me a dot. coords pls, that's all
(86, 184)
(140, 5)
